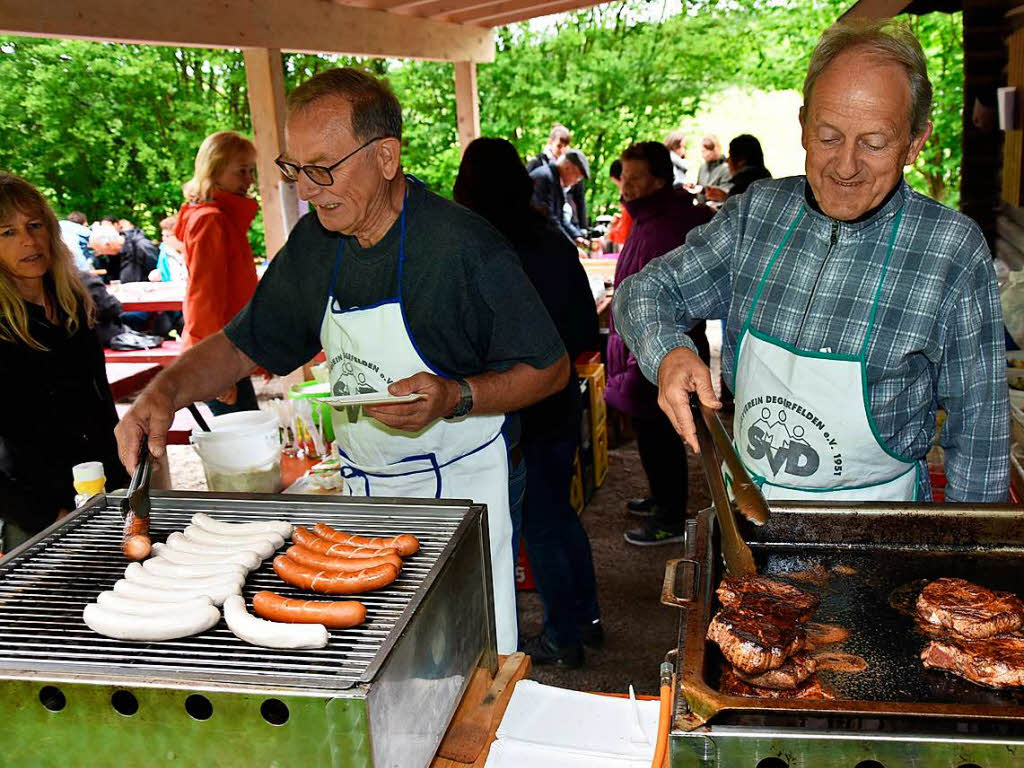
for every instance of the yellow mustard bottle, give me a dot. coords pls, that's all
(89, 479)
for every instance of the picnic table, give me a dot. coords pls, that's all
(128, 378)
(163, 355)
(149, 297)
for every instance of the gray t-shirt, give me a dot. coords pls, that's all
(468, 305)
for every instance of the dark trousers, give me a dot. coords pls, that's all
(556, 543)
(246, 400)
(663, 456)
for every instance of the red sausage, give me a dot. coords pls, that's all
(313, 559)
(303, 537)
(339, 614)
(405, 543)
(135, 543)
(334, 582)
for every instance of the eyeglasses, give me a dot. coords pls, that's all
(318, 174)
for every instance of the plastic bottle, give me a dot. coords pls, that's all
(89, 479)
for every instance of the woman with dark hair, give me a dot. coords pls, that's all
(58, 408)
(493, 182)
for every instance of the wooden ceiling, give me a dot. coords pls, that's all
(446, 30)
(484, 13)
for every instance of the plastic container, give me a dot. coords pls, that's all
(321, 411)
(241, 453)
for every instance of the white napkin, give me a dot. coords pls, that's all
(545, 722)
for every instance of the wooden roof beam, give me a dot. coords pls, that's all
(308, 26)
(875, 9)
(511, 11)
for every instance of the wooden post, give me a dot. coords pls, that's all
(265, 76)
(467, 105)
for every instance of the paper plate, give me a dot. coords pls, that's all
(370, 398)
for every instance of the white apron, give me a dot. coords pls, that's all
(803, 425)
(369, 348)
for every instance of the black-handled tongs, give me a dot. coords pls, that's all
(137, 499)
(712, 438)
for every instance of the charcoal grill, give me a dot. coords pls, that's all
(378, 695)
(895, 713)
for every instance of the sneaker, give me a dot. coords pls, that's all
(591, 633)
(642, 508)
(653, 535)
(543, 650)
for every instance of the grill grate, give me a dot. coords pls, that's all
(45, 586)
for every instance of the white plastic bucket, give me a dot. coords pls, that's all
(241, 452)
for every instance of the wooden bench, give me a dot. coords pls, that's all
(128, 378)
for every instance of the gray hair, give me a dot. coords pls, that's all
(376, 112)
(889, 42)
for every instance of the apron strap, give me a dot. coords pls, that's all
(881, 282)
(771, 263)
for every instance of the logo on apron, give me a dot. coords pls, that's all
(790, 438)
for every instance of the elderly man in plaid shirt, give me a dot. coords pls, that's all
(854, 307)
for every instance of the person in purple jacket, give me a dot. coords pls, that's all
(663, 216)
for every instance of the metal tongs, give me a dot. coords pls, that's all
(716, 447)
(136, 500)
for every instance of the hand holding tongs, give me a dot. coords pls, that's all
(714, 440)
(135, 543)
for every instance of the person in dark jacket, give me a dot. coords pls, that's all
(746, 163)
(550, 183)
(558, 142)
(663, 216)
(493, 183)
(58, 408)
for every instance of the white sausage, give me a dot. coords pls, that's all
(243, 557)
(271, 634)
(162, 567)
(238, 541)
(115, 602)
(212, 525)
(135, 572)
(178, 541)
(144, 593)
(174, 624)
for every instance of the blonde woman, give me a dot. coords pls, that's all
(58, 410)
(213, 227)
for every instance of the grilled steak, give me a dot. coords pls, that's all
(754, 637)
(969, 610)
(791, 674)
(733, 590)
(996, 662)
(733, 684)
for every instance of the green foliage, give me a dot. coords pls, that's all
(110, 128)
(937, 170)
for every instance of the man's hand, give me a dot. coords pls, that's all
(151, 416)
(440, 396)
(681, 373)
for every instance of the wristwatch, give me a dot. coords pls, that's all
(465, 404)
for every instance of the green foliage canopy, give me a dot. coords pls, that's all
(113, 128)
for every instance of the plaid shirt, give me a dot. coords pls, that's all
(938, 335)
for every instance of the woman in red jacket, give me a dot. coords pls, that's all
(213, 225)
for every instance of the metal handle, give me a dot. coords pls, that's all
(668, 590)
(749, 499)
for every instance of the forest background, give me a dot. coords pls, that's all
(113, 128)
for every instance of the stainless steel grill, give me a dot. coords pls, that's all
(46, 583)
